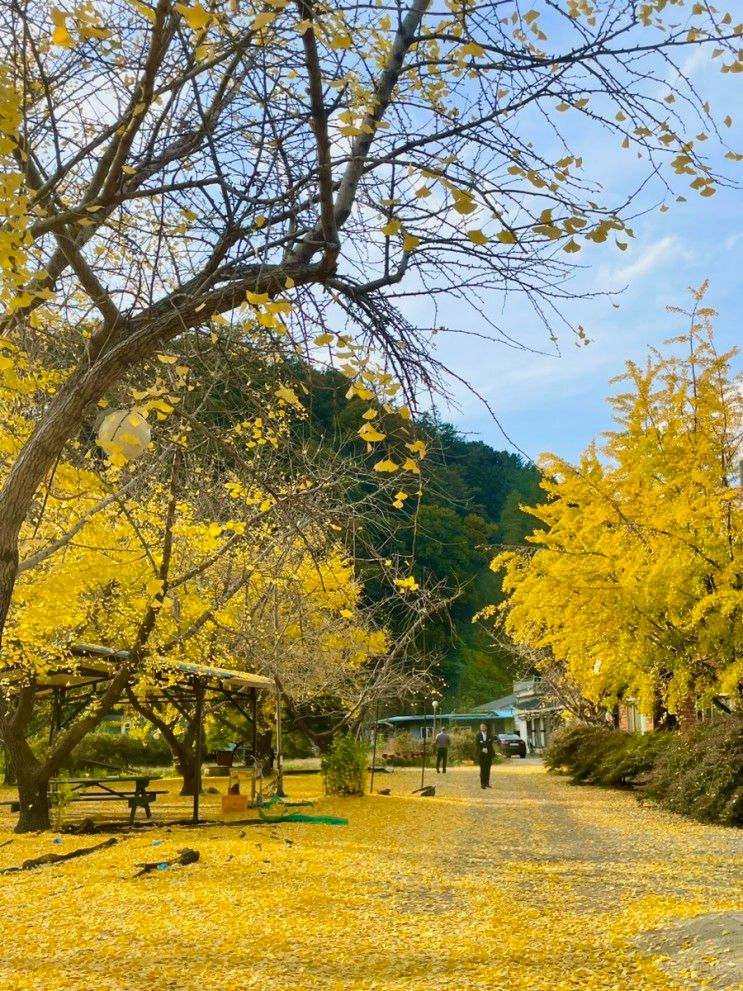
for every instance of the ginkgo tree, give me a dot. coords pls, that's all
(635, 582)
(166, 164)
(173, 557)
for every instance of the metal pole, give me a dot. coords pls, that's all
(279, 755)
(199, 720)
(374, 749)
(254, 746)
(423, 764)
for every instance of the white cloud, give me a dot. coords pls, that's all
(656, 255)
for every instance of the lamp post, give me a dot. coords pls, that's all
(435, 705)
(125, 433)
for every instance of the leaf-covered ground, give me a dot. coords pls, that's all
(533, 885)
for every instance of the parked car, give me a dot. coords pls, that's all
(511, 744)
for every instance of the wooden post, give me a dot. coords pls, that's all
(374, 748)
(279, 753)
(254, 745)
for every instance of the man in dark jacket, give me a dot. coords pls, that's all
(485, 754)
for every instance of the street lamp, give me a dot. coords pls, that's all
(423, 762)
(435, 705)
(125, 433)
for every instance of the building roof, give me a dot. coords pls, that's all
(449, 717)
(537, 705)
(506, 702)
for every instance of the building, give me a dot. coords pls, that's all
(536, 713)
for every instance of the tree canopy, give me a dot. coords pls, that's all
(168, 165)
(634, 584)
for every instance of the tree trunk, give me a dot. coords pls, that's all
(186, 764)
(687, 716)
(9, 775)
(33, 781)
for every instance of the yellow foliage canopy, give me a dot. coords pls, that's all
(635, 581)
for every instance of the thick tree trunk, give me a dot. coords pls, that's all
(186, 764)
(9, 775)
(34, 800)
(33, 781)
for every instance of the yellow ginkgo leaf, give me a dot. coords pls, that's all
(477, 237)
(386, 465)
(263, 20)
(391, 228)
(288, 395)
(472, 48)
(324, 339)
(369, 434)
(410, 242)
(62, 37)
(195, 16)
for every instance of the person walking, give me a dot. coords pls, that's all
(485, 754)
(442, 748)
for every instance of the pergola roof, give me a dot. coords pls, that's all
(99, 665)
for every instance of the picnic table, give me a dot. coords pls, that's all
(106, 789)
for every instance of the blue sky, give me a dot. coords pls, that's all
(557, 402)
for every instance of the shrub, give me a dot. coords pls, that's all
(462, 746)
(344, 767)
(296, 745)
(701, 775)
(576, 749)
(119, 751)
(400, 747)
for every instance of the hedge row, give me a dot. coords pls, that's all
(119, 750)
(699, 775)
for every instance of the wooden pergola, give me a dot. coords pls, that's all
(71, 688)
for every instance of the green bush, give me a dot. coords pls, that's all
(295, 745)
(701, 775)
(344, 767)
(399, 746)
(577, 749)
(600, 755)
(462, 746)
(119, 751)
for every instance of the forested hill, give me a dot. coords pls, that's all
(469, 506)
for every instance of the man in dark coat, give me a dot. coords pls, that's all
(485, 754)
